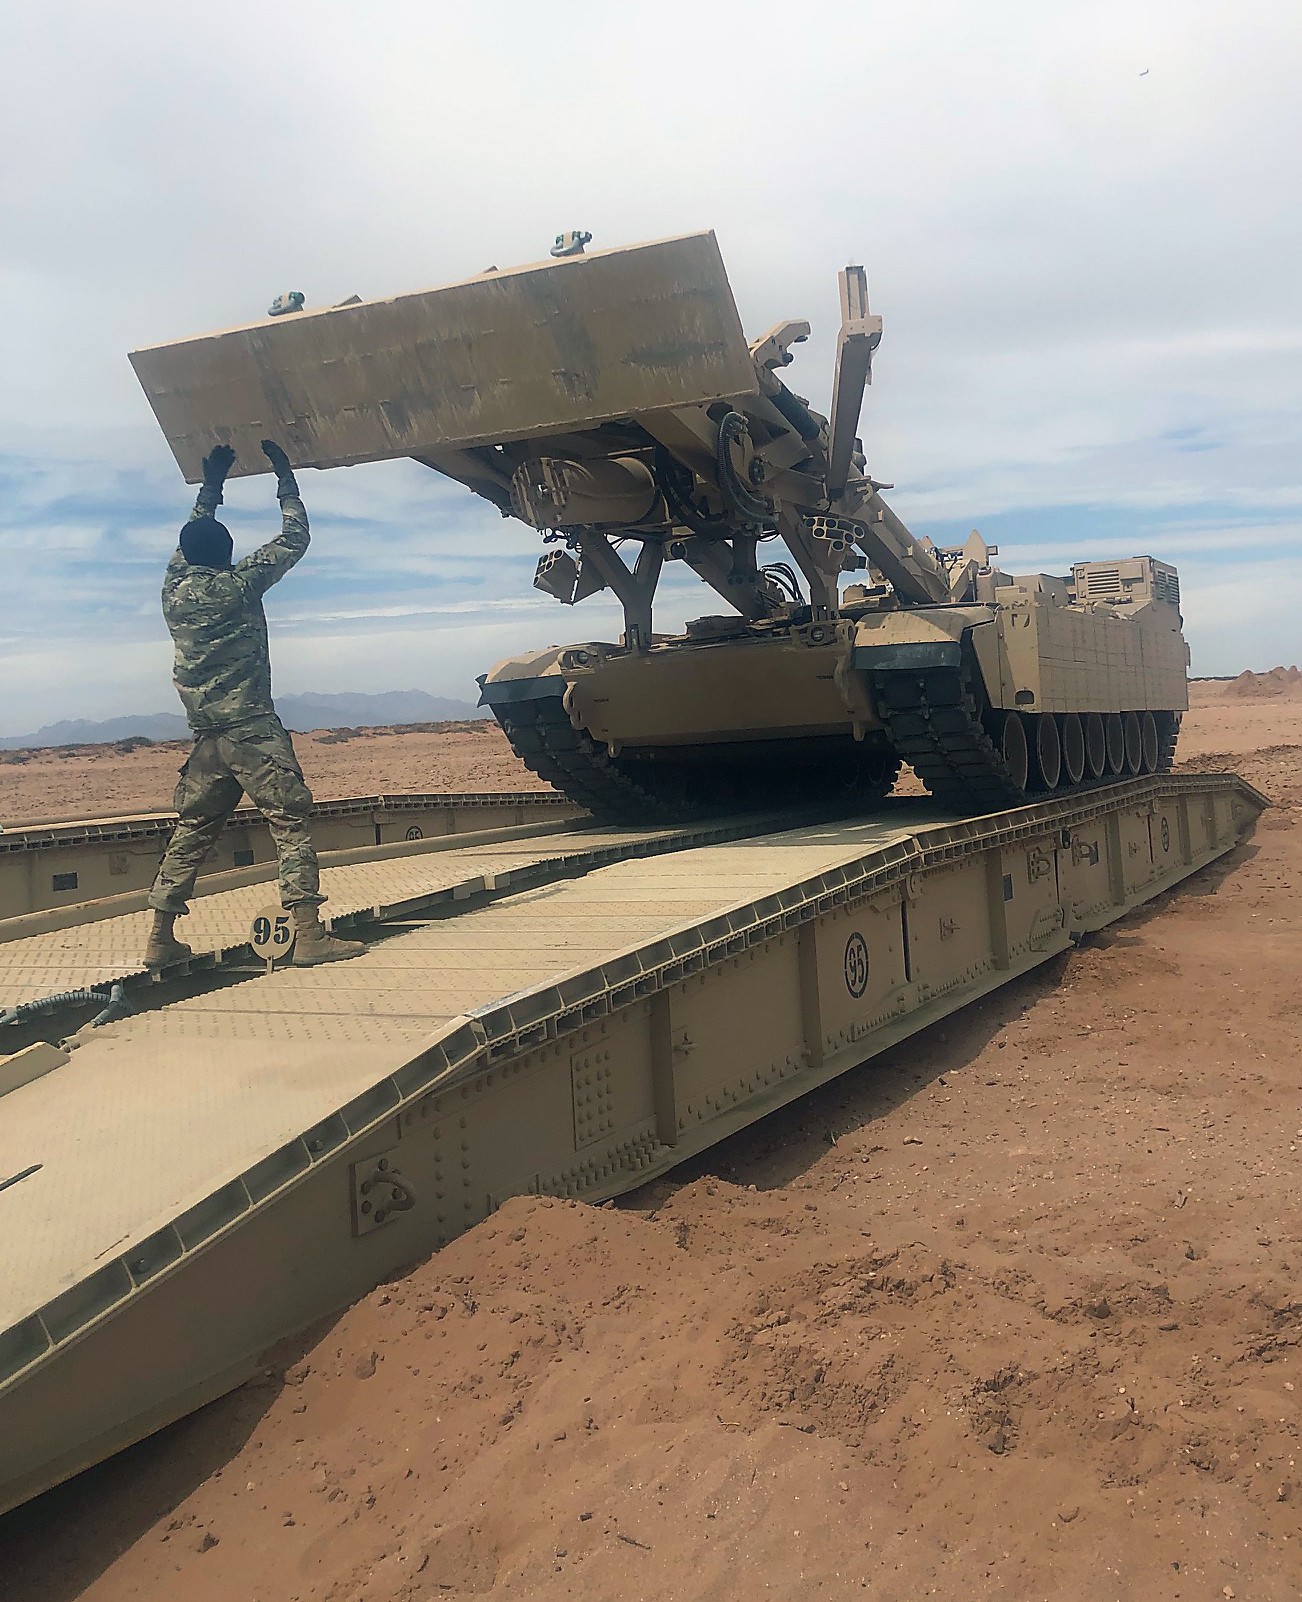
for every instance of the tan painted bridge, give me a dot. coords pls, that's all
(61, 950)
(567, 1014)
(64, 865)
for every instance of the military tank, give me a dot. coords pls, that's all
(610, 401)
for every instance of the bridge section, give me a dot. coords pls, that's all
(188, 1185)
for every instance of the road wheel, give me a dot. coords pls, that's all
(1015, 751)
(1116, 742)
(1071, 734)
(1048, 752)
(1096, 746)
(1149, 741)
(1134, 743)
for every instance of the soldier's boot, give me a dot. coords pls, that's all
(164, 947)
(314, 943)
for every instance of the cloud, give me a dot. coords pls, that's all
(1087, 277)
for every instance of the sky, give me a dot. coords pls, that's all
(1080, 223)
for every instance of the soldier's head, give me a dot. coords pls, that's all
(206, 543)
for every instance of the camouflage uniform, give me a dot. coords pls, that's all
(223, 676)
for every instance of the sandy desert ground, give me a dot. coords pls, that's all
(1014, 1311)
(83, 781)
(86, 781)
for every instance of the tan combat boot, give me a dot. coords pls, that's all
(314, 943)
(164, 947)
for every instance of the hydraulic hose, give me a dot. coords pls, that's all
(113, 1004)
(740, 497)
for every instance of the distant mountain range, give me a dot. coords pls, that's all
(300, 712)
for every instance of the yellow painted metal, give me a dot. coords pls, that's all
(198, 1178)
(21, 1067)
(50, 953)
(510, 355)
(58, 865)
(729, 691)
(1040, 651)
(611, 399)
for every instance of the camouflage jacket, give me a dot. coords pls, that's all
(215, 617)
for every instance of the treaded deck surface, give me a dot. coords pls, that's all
(155, 1112)
(98, 953)
(39, 832)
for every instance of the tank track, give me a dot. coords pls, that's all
(932, 721)
(545, 740)
(1168, 733)
(932, 726)
(640, 792)
(930, 718)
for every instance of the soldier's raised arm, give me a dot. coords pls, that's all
(216, 465)
(270, 562)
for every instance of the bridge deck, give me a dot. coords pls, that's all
(155, 1112)
(371, 884)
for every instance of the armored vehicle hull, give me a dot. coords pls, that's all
(613, 404)
(1045, 688)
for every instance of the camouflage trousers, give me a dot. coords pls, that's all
(256, 760)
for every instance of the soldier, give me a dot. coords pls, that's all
(223, 676)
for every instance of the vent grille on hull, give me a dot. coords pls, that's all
(1138, 578)
(1166, 584)
(1099, 583)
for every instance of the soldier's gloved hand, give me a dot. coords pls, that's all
(218, 462)
(286, 483)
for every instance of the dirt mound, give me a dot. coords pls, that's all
(1258, 686)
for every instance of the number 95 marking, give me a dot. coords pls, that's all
(272, 933)
(856, 965)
